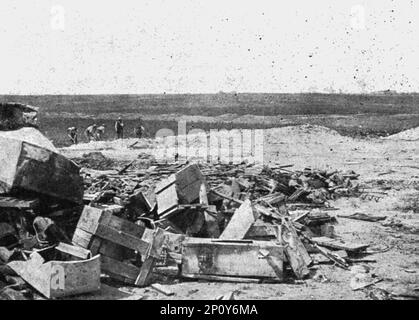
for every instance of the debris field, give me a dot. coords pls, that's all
(73, 230)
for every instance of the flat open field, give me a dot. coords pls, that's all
(350, 115)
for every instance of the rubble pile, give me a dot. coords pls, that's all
(168, 217)
(62, 228)
(250, 181)
(95, 160)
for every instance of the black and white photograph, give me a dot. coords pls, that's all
(194, 150)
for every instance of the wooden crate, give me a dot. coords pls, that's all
(110, 236)
(213, 258)
(26, 166)
(182, 187)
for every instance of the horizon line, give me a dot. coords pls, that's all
(381, 92)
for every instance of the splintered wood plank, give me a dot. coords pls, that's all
(209, 277)
(82, 238)
(210, 214)
(265, 211)
(203, 194)
(75, 252)
(235, 188)
(166, 195)
(122, 238)
(165, 183)
(120, 278)
(169, 227)
(170, 212)
(240, 223)
(144, 275)
(11, 202)
(259, 231)
(156, 238)
(167, 199)
(91, 217)
(295, 251)
(334, 244)
(145, 241)
(113, 208)
(95, 245)
(211, 222)
(134, 229)
(9, 156)
(220, 192)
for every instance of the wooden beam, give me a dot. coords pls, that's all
(144, 275)
(335, 244)
(295, 251)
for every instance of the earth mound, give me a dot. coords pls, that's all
(409, 135)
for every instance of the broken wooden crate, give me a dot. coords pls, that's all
(179, 189)
(114, 239)
(232, 260)
(182, 204)
(61, 271)
(26, 166)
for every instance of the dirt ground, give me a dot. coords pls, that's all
(388, 168)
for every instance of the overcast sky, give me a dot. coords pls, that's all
(191, 46)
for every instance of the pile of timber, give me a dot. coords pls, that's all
(226, 222)
(278, 183)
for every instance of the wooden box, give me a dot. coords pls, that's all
(33, 168)
(116, 239)
(180, 188)
(206, 258)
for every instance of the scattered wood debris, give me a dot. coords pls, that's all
(217, 222)
(363, 217)
(163, 289)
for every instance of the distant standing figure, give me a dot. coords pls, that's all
(72, 134)
(139, 131)
(90, 132)
(100, 131)
(119, 128)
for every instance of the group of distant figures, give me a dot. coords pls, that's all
(96, 133)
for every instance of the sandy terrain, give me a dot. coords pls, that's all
(387, 166)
